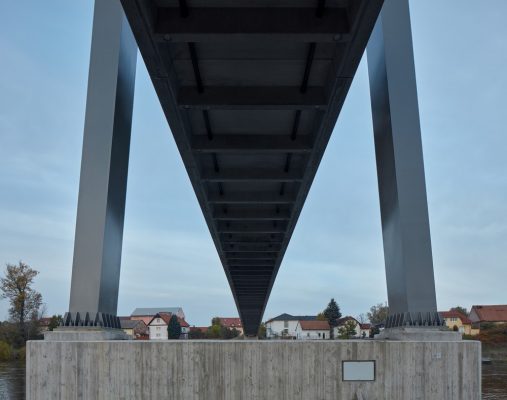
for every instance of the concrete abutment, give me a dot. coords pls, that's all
(246, 370)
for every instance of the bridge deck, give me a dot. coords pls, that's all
(252, 90)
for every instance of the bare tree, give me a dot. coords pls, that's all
(362, 318)
(378, 313)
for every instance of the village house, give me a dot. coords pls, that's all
(284, 326)
(457, 321)
(232, 323)
(159, 323)
(495, 314)
(135, 329)
(365, 330)
(147, 314)
(312, 330)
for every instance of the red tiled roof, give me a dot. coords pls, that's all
(231, 322)
(203, 329)
(455, 314)
(167, 316)
(183, 323)
(495, 313)
(365, 326)
(314, 325)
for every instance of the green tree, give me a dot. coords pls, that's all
(374, 331)
(55, 322)
(215, 330)
(378, 313)
(261, 334)
(347, 330)
(196, 334)
(25, 302)
(173, 328)
(332, 314)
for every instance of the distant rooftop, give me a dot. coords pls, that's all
(288, 317)
(150, 311)
(129, 324)
(489, 313)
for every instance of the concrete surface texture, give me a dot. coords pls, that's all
(84, 333)
(282, 370)
(418, 334)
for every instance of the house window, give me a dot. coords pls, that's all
(158, 328)
(323, 336)
(285, 324)
(308, 334)
(158, 334)
(319, 334)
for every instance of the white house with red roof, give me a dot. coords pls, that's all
(146, 313)
(284, 325)
(159, 323)
(312, 330)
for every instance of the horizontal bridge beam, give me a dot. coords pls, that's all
(243, 255)
(258, 228)
(251, 264)
(251, 143)
(260, 268)
(251, 198)
(252, 98)
(253, 237)
(251, 247)
(250, 274)
(245, 175)
(251, 214)
(211, 24)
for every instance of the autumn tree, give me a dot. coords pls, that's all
(25, 302)
(332, 314)
(320, 317)
(55, 322)
(347, 330)
(378, 313)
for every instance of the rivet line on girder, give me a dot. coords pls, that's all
(200, 88)
(303, 88)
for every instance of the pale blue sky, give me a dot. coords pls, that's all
(336, 251)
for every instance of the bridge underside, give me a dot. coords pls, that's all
(252, 90)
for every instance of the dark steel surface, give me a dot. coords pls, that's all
(104, 165)
(400, 170)
(252, 91)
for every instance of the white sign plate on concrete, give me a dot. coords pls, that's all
(358, 370)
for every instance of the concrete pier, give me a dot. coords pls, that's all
(253, 370)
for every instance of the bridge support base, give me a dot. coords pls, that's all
(254, 370)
